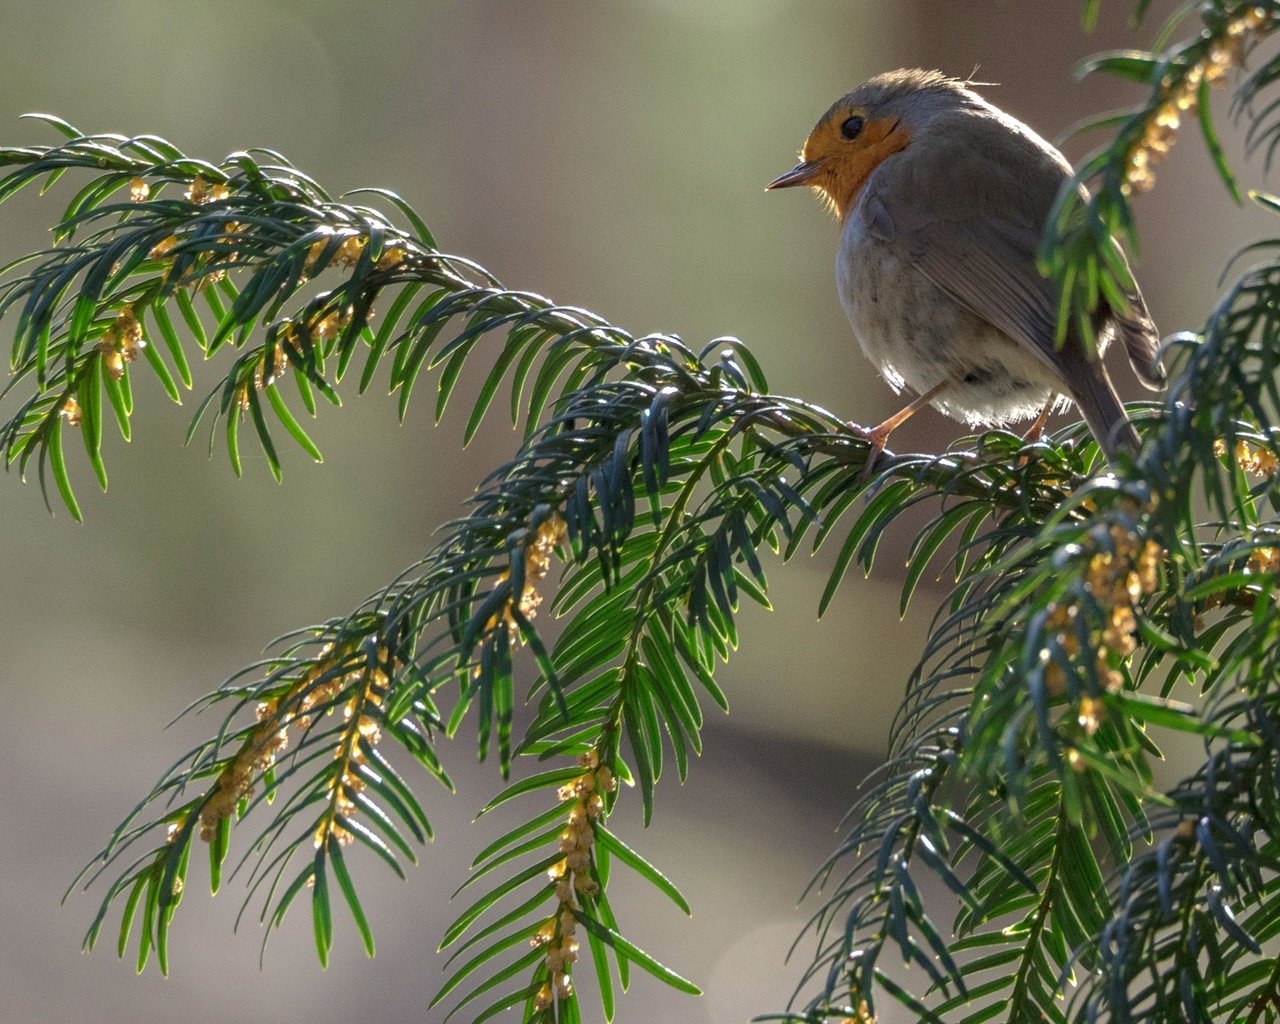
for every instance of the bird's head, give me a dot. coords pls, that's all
(871, 124)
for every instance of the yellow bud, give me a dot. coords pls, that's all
(70, 411)
(1090, 714)
(544, 998)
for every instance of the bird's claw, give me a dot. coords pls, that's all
(876, 438)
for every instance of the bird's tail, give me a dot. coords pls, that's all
(1093, 392)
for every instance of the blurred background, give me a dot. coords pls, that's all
(608, 155)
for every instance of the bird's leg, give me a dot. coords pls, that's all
(878, 436)
(1037, 428)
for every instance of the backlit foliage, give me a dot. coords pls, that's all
(1095, 608)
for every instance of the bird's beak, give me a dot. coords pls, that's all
(800, 174)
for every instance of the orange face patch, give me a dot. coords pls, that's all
(843, 165)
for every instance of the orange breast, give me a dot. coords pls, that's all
(879, 140)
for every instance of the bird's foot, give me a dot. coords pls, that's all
(1036, 431)
(1037, 428)
(878, 436)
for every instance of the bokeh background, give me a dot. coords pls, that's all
(610, 155)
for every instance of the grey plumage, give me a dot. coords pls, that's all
(944, 199)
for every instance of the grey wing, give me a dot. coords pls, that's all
(971, 226)
(982, 260)
(1140, 337)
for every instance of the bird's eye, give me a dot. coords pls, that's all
(852, 127)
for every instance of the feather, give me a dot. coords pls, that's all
(958, 211)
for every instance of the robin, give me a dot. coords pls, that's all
(942, 198)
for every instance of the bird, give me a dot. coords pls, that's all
(942, 199)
